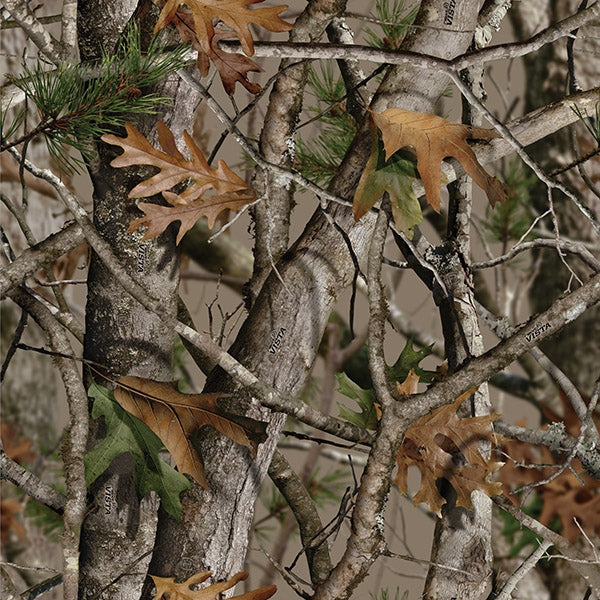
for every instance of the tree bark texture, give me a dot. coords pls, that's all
(121, 335)
(546, 73)
(213, 534)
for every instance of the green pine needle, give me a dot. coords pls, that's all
(394, 22)
(77, 104)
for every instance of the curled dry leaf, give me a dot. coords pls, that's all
(227, 190)
(434, 139)
(196, 26)
(174, 416)
(231, 12)
(167, 588)
(433, 443)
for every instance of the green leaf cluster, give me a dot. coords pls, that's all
(367, 417)
(510, 220)
(408, 360)
(394, 21)
(394, 176)
(127, 434)
(318, 157)
(78, 103)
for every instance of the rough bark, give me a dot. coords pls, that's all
(546, 71)
(297, 307)
(122, 335)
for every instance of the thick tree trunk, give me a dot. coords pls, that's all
(121, 335)
(213, 534)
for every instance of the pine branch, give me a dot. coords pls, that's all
(77, 104)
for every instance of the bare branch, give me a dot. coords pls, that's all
(74, 449)
(29, 483)
(524, 568)
(309, 522)
(576, 248)
(588, 571)
(24, 16)
(34, 258)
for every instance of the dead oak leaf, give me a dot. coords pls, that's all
(233, 13)
(232, 66)
(434, 139)
(157, 218)
(433, 443)
(174, 416)
(167, 588)
(175, 169)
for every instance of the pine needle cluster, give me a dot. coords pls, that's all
(510, 220)
(318, 157)
(394, 21)
(78, 103)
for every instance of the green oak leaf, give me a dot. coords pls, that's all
(409, 359)
(394, 176)
(126, 433)
(367, 417)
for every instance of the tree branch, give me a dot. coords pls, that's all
(75, 447)
(589, 572)
(307, 517)
(36, 32)
(30, 484)
(555, 440)
(43, 253)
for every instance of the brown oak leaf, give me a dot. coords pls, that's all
(228, 190)
(432, 444)
(233, 13)
(434, 139)
(167, 588)
(232, 66)
(571, 496)
(174, 416)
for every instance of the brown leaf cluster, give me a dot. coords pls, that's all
(174, 417)
(433, 444)
(167, 588)
(570, 497)
(433, 139)
(195, 25)
(212, 190)
(19, 449)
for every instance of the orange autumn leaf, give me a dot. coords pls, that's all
(174, 416)
(432, 443)
(233, 13)
(434, 139)
(211, 190)
(167, 588)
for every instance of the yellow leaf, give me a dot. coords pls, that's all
(182, 591)
(174, 416)
(174, 169)
(432, 444)
(434, 139)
